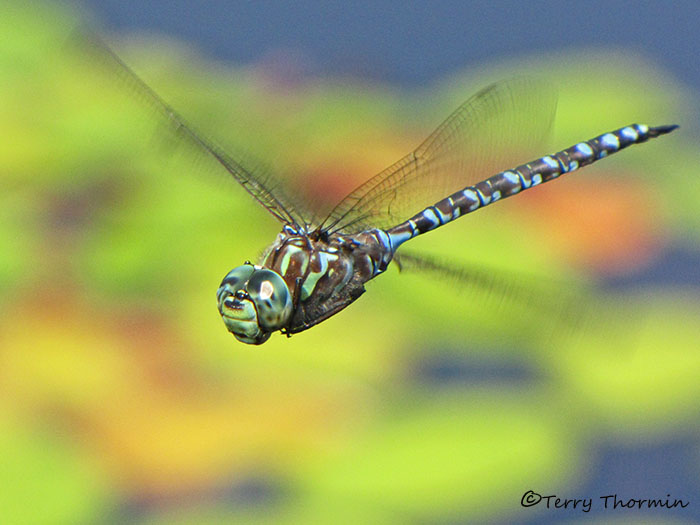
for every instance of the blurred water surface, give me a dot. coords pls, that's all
(124, 399)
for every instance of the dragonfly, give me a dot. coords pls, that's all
(317, 267)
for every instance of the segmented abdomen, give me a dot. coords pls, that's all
(514, 181)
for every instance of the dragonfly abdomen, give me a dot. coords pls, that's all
(511, 182)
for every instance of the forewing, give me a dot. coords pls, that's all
(498, 128)
(259, 184)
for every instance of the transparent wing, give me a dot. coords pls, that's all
(262, 188)
(546, 306)
(528, 290)
(498, 128)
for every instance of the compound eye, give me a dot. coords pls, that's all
(236, 278)
(272, 299)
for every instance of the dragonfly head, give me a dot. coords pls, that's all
(254, 302)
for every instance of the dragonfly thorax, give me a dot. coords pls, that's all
(325, 273)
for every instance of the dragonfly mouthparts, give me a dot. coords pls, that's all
(233, 303)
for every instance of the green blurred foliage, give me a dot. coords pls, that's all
(122, 387)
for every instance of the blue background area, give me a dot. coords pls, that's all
(419, 43)
(413, 43)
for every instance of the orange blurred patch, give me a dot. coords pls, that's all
(328, 181)
(331, 177)
(611, 225)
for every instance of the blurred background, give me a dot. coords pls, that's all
(123, 399)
